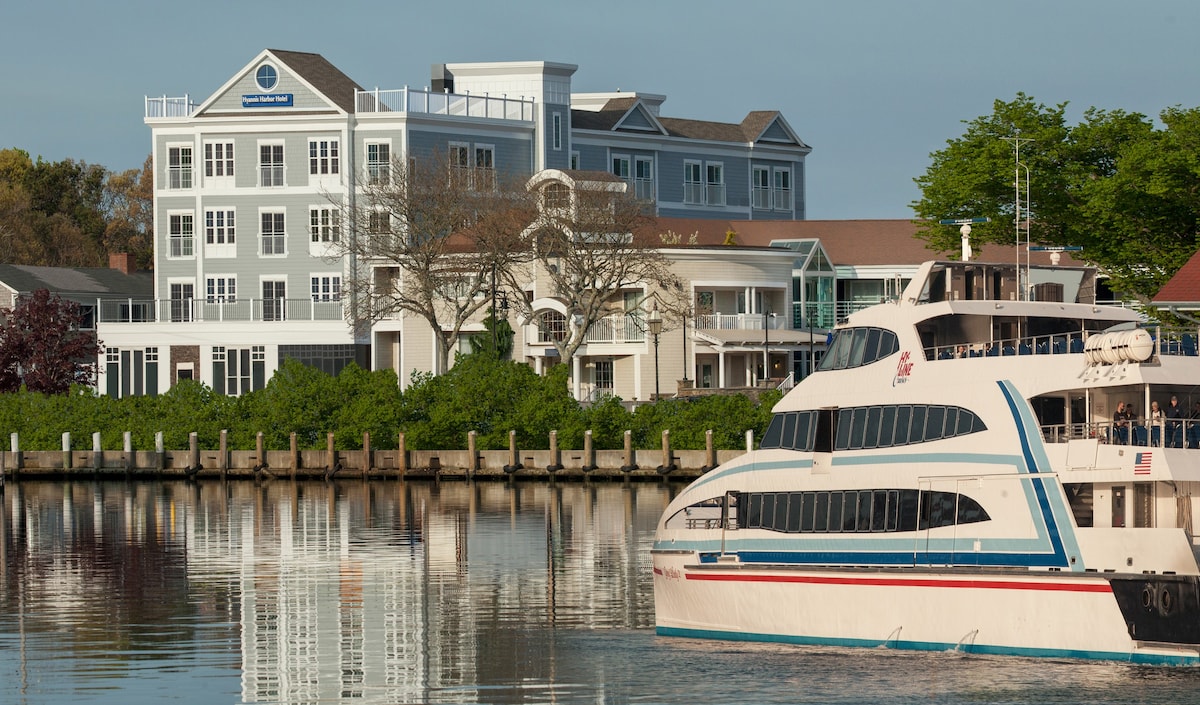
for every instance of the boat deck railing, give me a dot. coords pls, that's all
(1169, 433)
(1167, 341)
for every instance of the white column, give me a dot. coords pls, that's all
(721, 369)
(576, 375)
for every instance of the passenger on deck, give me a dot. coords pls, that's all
(1121, 424)
(1174, 424)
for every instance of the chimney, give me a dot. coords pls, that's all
(123, 262)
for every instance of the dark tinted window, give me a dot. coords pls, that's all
(849, 511)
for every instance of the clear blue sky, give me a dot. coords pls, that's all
(873, 86)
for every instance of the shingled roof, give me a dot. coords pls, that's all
(321, 75)
(847, 242)
(77, 282)
(608, 117)
(1183, 290)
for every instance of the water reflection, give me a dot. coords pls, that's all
(311, 591)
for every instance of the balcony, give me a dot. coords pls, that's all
(408, 100)
(201, 310)
(617, 328)
(738, 321)
(166, 107)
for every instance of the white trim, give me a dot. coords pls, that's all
(282, 166)
(229, 162)
(220, 250)
(264, 210)
(367, 163)
(192, 172)
(170, 239)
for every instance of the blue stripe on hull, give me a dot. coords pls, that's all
(903, 645)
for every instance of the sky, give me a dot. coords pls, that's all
(873, 86)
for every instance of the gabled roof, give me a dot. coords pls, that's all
(312, 70)
(323, 76)
(77, 282)
(629, 113)
(769, 126)
(1183, 289)
(620, 113)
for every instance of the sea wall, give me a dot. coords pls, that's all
(398, 463)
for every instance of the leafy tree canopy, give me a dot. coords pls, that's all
(1115, 184)
(73, 214)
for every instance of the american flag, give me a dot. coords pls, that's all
(1141, 464)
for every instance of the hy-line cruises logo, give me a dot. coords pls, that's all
(903, 369)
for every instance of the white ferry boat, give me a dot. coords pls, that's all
(952, 478)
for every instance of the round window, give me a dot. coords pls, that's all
(267, 77)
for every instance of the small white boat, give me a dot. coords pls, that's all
(952, 478)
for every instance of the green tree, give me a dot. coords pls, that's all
(1112, 184)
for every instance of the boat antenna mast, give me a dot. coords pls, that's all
(1022, 286)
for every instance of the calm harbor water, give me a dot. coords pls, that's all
(388, 592)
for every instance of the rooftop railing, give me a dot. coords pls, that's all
(410, 100)
(167, 107)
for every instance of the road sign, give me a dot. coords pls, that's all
(965, 221)
(1055, 248)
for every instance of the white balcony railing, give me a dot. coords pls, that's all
(761, 198)
(738, 321)
(617, 328)
(409, 100)
(202, 310)
(166, 107)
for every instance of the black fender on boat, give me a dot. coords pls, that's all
(1163, 608)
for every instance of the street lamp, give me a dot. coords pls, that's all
(766, 345)
(654, 324)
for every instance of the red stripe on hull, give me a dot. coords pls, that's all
(902, 582)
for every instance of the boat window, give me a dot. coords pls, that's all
(753, 510)
(864, 510)
(793, 514)
(858, 426)
(871, 431)
(869, 427)
(952, 422)
(934, 419)
(804, 431)
(879, 510)
(854, 511)
(774, 431)
(902, 417)
(808, 511)
(855, 347)
(835, 511)
(916, 428)
(788, 439)
(887, 426)
(843, 429)
(781, 510)
(705, 514)
(871, 352)
(821, 513)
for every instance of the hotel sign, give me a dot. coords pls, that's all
(259, 100)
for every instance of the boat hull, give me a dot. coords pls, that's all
(1028, 613)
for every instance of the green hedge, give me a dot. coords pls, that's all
(479, 394)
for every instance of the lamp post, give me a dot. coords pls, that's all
(654, 323)
(767, 345)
